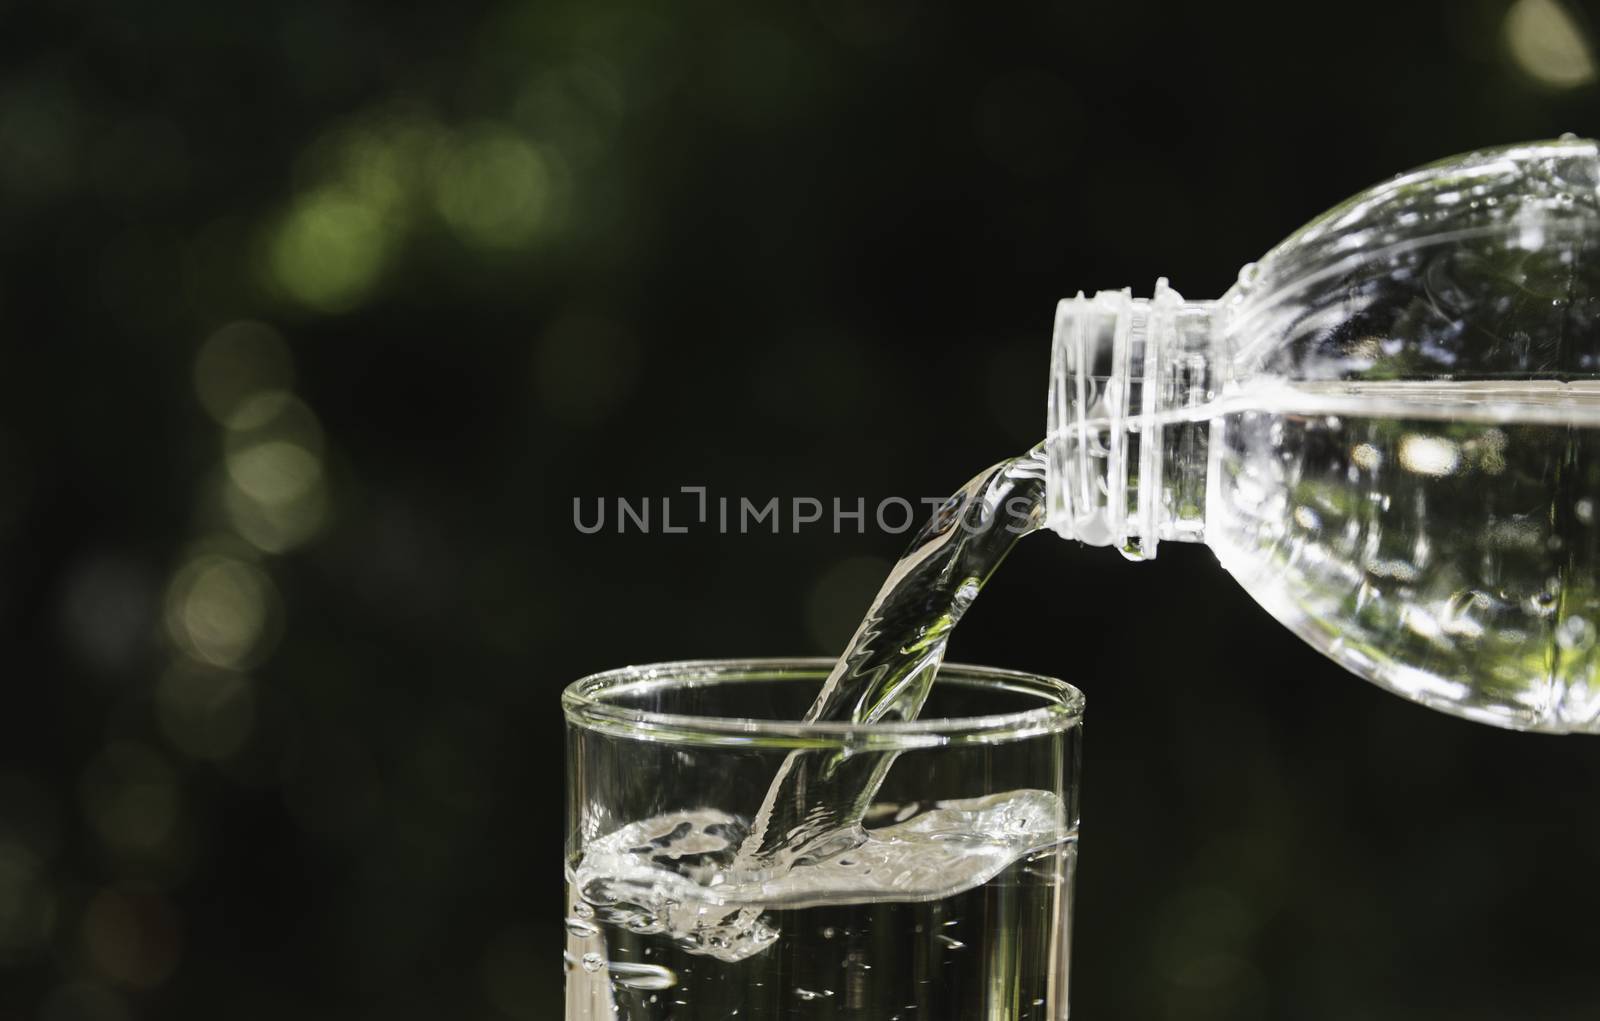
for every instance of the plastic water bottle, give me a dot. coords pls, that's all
(1388, 430)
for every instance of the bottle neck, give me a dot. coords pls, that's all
(1127, 447)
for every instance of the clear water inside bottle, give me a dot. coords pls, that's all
(1438, 537)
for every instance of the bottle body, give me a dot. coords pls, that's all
(1450, 559)
(1388, 432)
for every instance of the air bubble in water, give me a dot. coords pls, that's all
(644, 977)
(581, 929)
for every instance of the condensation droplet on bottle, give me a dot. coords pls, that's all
(593, 962)
(582, 910)
(1584, 509)
(1568, 136)
(1248, 274)
(811, 994)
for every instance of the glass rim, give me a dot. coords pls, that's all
(585, 703)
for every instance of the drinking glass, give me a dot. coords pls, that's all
(943, 891)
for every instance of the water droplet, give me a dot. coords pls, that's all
(583, 910)
(828, 932)
(593, 962)
(581, 929)
(808, 994)
(953, 944)
(1248, 274)
(1568, 136)
(906, 811)
(1585, 510)
(644, 977)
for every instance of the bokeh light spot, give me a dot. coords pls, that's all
(276, 527)
(384, 161)
(328, 250)
(131, 797)
(219, 610)
(1366, 456)
(274, 472)
(1429, 455)
(493, 189)
(237, 367)
(273, 414)
(205, 713)
(108, 606)
(1547, 44)
(274, 493)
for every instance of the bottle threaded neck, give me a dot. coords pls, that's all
(1126, 451)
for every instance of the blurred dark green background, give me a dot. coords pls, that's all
(317, 317)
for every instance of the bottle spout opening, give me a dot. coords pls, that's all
(1120, 366)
